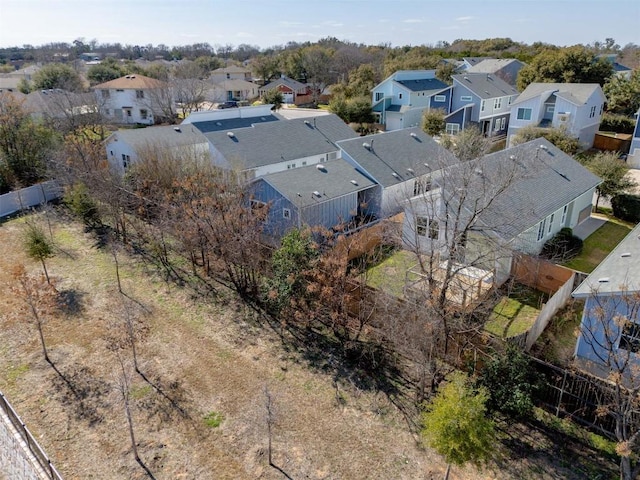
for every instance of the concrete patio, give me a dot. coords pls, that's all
(589, 226)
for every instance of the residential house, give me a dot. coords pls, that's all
(400, 100)
(333, 195)
(133, 99)
(231, 118)
(402, 162)
(469, 62)
(633, 159)
(10, 82)
(619, 70)
(58, 105)
(270, 147)
(232, 72)
(480, 99)
(575, 106)
(609, 338)
(233, 89)
(505, 68)
(292, 91)
(512, 200)
(128, 146)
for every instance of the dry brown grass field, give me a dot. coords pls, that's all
(203, 358)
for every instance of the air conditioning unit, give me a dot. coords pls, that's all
(563, 117)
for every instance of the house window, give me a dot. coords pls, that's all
(126, 161)
(564, 215)
(139, 93)
(524, 114)
(119, 90)
(379, 96)
(466, 98)
(111, 152)
(107, 111)
(106, 93)
(421, 185)
(440, 98)
(304, 164)
(592, 113)
(426, 228)
(510, 100)
(143, 114)
(496, 126)
(452, 128)
(630, 337)
(550, 108)
(497, 103)
(286, 213)
(551, 222)
(128, 112)
(541, 226)
(503, 123)
(601, 107)
(228, 76)
(399, 96)
(482, 106)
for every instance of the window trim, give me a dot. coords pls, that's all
(565, 209)
(452, 125)
(630, 337)
(466, 98)
(286, 213)
(440, 98)
(541, 229)
(497, 103)
(526, 113)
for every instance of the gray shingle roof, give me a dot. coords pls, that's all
(622, 272)
(169, 136)
(576, 93)
(232, 123)
(485, 85)
(294, 85)
(491, 65)
(423, 84)
(333, 180)
(398, 151)
(275, 142)
(516, 188)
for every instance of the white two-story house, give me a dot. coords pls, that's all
(132, 99)
(575, 106)
(400, 100)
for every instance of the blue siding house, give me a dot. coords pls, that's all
(609, 339)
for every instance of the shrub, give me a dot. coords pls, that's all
(213, 419)
(626, 207)
(511, 382)
(617, 123)
(81, 204)
(563, 246)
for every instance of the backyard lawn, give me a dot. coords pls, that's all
(598, 245)
(389, 275)
(515, 313)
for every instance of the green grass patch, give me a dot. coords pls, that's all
(16, 371)
(213, 419)
(515, 313)
(599, 244)
(140, 392)
(390, 274)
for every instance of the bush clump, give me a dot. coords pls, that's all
(626, 207)
(563, 246)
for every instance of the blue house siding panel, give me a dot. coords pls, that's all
(598, 312)
(276, 224)
(457, 117)
(441, 105)
(331, 213)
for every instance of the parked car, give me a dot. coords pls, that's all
(228, 104)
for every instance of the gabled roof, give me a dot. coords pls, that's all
(164, 136)
(575, 93)
(620, 269)
(287, 82)
(232, 123)
(137, 82)
(231, 69)
(383, 154)
(475, 60)
(485, 85)
(235, 84)
(519, 186)
(56, 102)
(332, 179)
(425, 84)
(276, 142)
(492, 65)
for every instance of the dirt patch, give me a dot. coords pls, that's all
(200, 359)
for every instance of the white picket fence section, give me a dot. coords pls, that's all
(24, 198)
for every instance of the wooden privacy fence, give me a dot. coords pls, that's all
(29, 439)
(24, 198)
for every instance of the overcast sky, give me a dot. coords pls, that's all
(274, 22)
